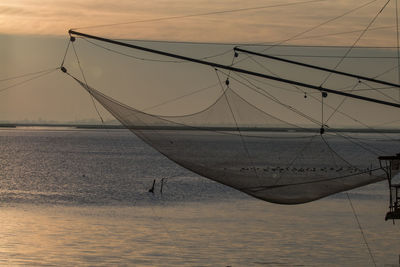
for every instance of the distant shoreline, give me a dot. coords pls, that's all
(209, 128)
(60, 125)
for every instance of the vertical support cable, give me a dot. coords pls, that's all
(322, 110)
(246, 149)
(65, 54)
(361, 230)
(322, 129)
(86, 84)
(398, 46)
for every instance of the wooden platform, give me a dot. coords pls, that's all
(393, 215)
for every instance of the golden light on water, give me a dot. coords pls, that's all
(195, 234)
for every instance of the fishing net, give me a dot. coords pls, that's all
(258, 136)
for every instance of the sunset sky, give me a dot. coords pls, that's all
(33, 37)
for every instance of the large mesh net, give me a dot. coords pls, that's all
(239, 145)
(277, 141)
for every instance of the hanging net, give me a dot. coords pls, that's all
(235, 143)
(282, 142)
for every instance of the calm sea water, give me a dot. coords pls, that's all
(80, 197)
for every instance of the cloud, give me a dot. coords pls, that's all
(7, 10)
(261, 25)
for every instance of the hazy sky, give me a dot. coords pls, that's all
(266, 20)
(33, 37)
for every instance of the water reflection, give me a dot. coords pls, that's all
(81, 198)
(240, 233)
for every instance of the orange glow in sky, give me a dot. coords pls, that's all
(269, 21)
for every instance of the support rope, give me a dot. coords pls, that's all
(398, 45)
(154, 60)
(181, 97)
(336, 109)
(246, 149)
(316, 122)
(86, 84)
(340, 104)
(361, 230)
(268, 95)
(351, 204)
(27, 74)
(66, 52)
(313, 28)
(40, 74)
(356, 41)
(380, 92)
(203, 14)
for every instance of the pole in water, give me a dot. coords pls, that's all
(151, 190)
(162, 184)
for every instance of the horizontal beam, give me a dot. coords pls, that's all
(317, 67)
(234, 69)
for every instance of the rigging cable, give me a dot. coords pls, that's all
(351, 48)
(323, 23)
(38, 74)
(382, 93)
(335, 34)
(314, 27)
(264, 93)
(27, 74)
(297, 156)
(398, 45)
(180, 97)
(131, 56)
(153, 60)
(168, 118)
(322, 113)
(302, 114)
(296, 87)
(366, 147)
(66, 52)
(332, 151)
(246, 149)
(361, 230)
(316, 98)
(267, 69)
(271, 97)
(350, 139)
(203, 14)
(86, 84)
(332, 56)
(356, 41)
(351, 204)
(387, 71)
(340, 104)
(370, 88)
(352, 207)
(389, 122)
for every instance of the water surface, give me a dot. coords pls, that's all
(79, 197)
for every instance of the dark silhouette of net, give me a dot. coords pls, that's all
(236, 144)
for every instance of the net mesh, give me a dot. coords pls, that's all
(260, 136)
(237, 144)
